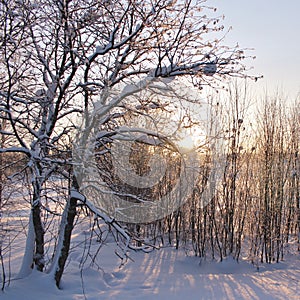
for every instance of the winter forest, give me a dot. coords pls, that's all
(135, 161)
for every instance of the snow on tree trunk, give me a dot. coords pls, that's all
(26, 266)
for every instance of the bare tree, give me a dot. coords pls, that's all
(60, 57)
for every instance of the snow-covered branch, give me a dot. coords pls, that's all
(113, 223)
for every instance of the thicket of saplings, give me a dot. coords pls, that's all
(254, 208)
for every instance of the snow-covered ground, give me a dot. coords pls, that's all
(166, 273)
(160, 274)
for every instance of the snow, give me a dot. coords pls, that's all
(76, 195)
(14, 149)
(161, 274)
(29, 251)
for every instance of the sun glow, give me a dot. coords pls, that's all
(186, 143)
(191, 138)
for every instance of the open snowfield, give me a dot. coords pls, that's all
(165, 274)
(160, 274)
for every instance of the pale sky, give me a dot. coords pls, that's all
(272, 28)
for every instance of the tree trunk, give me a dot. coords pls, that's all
(65, 236)
(39, 237)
